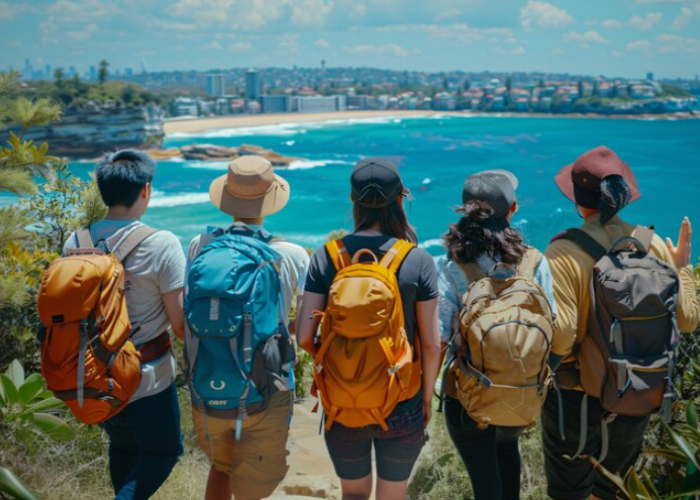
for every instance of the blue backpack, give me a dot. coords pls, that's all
(238, 352)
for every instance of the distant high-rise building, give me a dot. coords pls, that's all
(650, 76)
(28, 72)
(323, 65)
(47, 72)
(129, 71)
(72, 71)
(253, 85)
(93, 73)
(216, 86)
(144, 70)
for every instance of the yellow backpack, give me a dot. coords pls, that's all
(365, 365)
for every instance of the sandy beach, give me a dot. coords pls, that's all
(194, 126)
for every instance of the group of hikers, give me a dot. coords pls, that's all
(583, 336)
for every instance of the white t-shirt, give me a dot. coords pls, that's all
(293, 269)
(155, 268)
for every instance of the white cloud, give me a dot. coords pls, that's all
(73, 20)
(289, 44)
(12, 10)
(459, 32)
(359, 11)
(518, 51)
(310, 12)
(611, 24)
(679, 44)
(240, 46)
(322, 43)
(556, 52)
(683, 19)
(447, 14)
(587, 37)
(649, 2)
(543, 15)
(378, 50)
(645, 23)
(643, 46)
(212, 46)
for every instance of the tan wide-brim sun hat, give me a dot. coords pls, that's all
(250, 189)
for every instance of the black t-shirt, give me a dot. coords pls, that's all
(417, 277)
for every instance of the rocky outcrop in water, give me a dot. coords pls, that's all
(212, 152)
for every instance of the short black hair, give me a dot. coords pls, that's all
(122, 175)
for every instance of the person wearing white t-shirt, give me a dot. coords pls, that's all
(145, 438)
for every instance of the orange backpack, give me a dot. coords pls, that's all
(87, 357)
(365, 365)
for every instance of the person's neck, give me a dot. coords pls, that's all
(120, 212)
(369, 230)
(257, 221)
(587, 213)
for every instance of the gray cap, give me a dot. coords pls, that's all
(496, 189)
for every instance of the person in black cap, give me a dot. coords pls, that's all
(378, 195)
(482, 238)
(600, 185)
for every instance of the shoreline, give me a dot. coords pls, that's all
(200, 125)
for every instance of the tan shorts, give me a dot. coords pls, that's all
(257, 463)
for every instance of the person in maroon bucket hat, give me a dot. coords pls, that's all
(600, 185)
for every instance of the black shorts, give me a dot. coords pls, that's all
(577, 479)
(396, 449)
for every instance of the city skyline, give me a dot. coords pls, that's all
(627, 38)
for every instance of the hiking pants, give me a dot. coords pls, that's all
(144, 445)
(491, 455)
(577, 479)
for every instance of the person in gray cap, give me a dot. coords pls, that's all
(482, 238)
(381, 229)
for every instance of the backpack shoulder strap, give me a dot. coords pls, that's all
(338, 254)
(132, 241)
(84, 238)
(393, 259)
(529, 263)
(472, 270)
(587, 242)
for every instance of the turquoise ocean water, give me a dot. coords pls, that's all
(436, 154)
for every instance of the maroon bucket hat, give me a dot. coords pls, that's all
(580, 181)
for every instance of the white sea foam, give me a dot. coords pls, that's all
(427, 180)
(290, 143)
(208, 165)
(435, 242)
(178, 200)
(309, 164)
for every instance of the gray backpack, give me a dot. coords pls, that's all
(627, 358)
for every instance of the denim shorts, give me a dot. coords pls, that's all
(396, 449)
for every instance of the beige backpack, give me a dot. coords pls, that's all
(506, 331)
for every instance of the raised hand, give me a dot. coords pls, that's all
(681, 252)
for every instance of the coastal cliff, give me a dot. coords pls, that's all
(90, 130)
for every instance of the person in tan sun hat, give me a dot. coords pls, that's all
(248, 455)
(250, 189)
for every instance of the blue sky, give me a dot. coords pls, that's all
(598, 37)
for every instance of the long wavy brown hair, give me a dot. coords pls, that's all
(468, 239)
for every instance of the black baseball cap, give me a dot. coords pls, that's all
(496, 189)
(376, 183)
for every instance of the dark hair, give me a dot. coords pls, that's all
(615, 194)
(467, 240)
(392, 219)
(122, 175)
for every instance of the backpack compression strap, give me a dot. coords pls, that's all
(393, 259)
(339, 254)
(587, 242)
(84, 239)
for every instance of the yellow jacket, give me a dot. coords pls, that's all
(572, 270)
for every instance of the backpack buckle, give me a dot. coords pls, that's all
(318, 368)
(393, 369)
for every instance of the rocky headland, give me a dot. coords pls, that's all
(212, 152)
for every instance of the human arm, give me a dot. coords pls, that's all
(688, 310)
(173, 308)
(564, 260)
(427, 327)
(308, 320)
